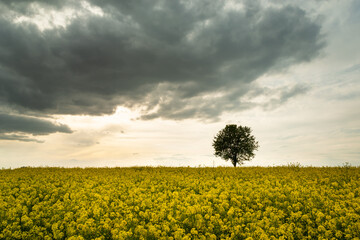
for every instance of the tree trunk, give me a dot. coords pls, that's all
(234, 162)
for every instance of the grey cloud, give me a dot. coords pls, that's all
(188, 50)
(84, 139)
(18, 138)
(30, 8)
(172, 105)
(351, 69)
(15, 127)
(284, 95)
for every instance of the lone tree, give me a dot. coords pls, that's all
(235, 143)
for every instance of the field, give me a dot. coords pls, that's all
(180, 203)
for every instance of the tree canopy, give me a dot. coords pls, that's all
(235, 143)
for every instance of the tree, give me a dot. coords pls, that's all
(235, 143)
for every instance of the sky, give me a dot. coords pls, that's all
(150, 83)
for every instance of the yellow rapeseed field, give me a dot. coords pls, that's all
(180, 203)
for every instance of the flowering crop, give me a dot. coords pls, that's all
(180, 203)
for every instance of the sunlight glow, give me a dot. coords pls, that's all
(47, 19)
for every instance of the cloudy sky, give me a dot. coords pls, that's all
(130, 83)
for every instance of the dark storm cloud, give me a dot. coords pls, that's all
(174, 59)
(10, 124)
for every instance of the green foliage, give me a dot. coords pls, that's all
(235, 143)
(180, 203)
